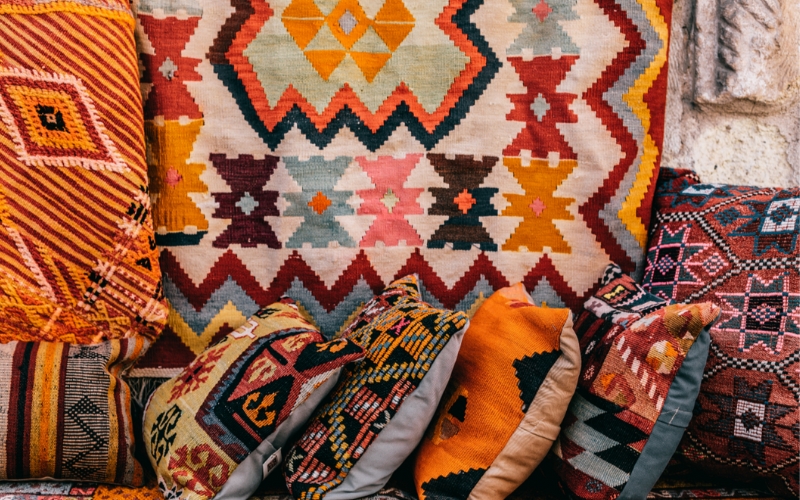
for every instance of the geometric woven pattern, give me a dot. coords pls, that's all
(202, 424)
(509, 350)
(737, 246)
(626, 376)
(78, 261)
(66, 411)
(403, 338)
(320, 149)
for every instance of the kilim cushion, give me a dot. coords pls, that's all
(217, 429)
(514, 377)
(738, 247)
(322, 148)
(65, 411)
(78, 261)
(378, 413)
(635, 397)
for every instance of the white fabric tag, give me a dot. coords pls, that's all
(271, 463)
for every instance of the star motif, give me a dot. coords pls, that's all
(464, 200)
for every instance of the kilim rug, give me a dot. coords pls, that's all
(322, 148)
(538, 487)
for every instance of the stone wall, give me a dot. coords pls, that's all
(733, 108)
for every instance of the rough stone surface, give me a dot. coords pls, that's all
(733, 107)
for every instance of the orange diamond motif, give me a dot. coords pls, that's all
(464, 200)
(319, 203)
(349, 24)
(53, 122)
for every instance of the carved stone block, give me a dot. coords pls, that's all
(746, 53)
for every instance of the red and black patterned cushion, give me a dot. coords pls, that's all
(737, 246)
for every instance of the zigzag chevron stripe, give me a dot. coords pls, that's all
(657, 59)
(273, 122)
(596, 97)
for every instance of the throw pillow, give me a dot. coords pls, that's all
(378, 413)
(514, 377)
(75, 225)
(217, 429)
(65, 411)
(79, 267)
(737, 246)
(321, 149)
(634, 400)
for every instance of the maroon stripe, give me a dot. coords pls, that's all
(16, 401)
(113, 105)
(53, 199)
(18, 434)
(45, 234)
(62, 384)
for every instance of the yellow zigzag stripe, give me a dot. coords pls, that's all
(635, 99)
(119, 15)
(198, 341)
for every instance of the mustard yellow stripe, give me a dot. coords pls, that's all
(104, 86)
(44, 423)
(113, 370)
(635, 99)
(118, 15)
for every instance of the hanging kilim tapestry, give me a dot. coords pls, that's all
(320, 149)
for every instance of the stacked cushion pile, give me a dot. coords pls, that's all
(737, 246)
(80, 289)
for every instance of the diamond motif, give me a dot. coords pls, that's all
(53, 122)
(542, 10)
(665, 264)
(247, 204)
(540, 107)
(173, 177)
(765, 313)
(749, 418)
(347, 22)
(713, 264)
(464, 200)
(389, 200)
(537, 206)
(168, 69)
(782, 216)
(319, 203)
